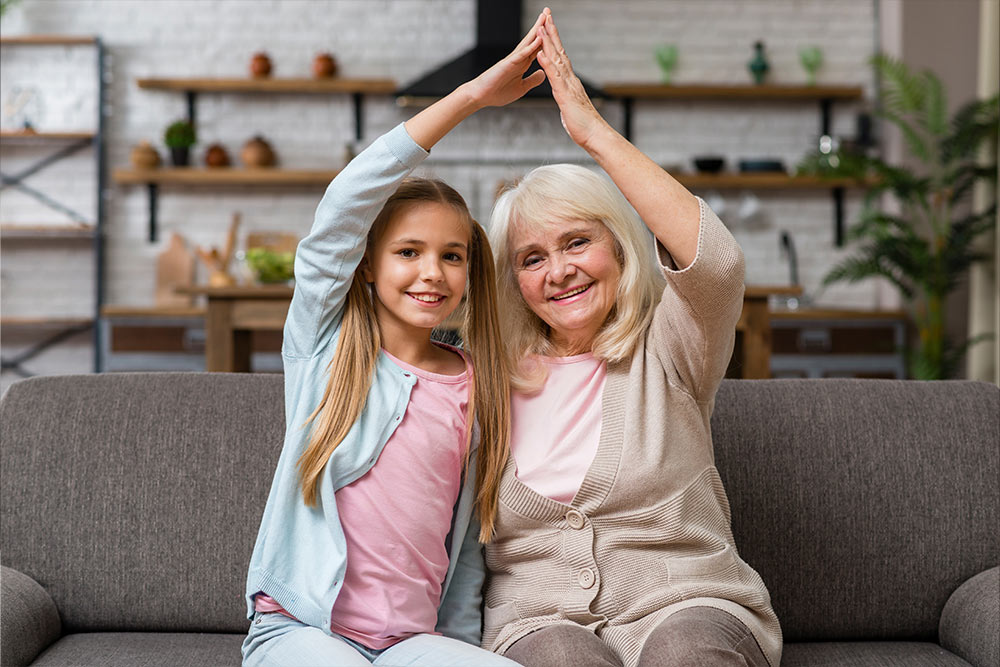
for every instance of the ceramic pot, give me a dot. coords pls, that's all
(324, 66)
(260, 66)
(216, 156)
(180, 156)
(257, 153)
(144, 156)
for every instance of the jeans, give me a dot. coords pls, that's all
(275, 640)
(694, 637)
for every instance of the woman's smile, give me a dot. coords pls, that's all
(567, 295)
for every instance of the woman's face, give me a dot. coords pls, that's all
(568, 273)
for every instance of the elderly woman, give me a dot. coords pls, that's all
(613, 543)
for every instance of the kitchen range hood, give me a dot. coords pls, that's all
(498, 31)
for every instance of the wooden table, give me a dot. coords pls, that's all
(233, 312)
(755, 325)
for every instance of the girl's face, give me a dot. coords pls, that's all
(419, 265)
(568, 274)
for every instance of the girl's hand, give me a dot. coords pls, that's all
(577, 112)
(504, 83)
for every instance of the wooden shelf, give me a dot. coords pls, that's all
(29, 135)
(11, 231)
(114, 311)
(730, 92)
(247, 85)
(837, 314)
(43, 321)
(223, 176)
(764, 181)
(48, 40)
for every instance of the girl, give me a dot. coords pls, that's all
(367, 552)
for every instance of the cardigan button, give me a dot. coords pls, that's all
(575, 519)
(586, 578)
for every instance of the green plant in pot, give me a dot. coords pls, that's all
(179, 138)
(925, 249)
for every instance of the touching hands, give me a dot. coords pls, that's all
(579, 117)
(504, 82)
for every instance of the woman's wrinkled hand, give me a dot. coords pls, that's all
(505, 82)
(579, 117)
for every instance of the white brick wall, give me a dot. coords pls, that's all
(401, 39)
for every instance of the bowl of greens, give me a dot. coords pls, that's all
(270, 266)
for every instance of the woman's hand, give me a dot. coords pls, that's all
(504, 82)
(577, 112)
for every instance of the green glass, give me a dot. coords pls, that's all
(666, 58)
(811, 58)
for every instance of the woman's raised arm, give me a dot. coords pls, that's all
(668, 209)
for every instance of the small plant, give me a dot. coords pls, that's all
(179, 134)
(927, 247)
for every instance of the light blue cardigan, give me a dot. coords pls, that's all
(299, 558)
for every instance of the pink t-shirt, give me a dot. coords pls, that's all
(397, 516)
(555, 432)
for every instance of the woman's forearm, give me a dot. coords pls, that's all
(669, 210)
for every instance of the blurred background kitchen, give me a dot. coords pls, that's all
(113, 259)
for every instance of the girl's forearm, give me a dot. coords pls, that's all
(431, 125)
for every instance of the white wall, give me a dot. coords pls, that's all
(401, 39)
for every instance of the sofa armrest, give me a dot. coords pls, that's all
(970, 622)
(29, 620)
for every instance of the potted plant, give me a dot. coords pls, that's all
(925, 248)
(180, 137)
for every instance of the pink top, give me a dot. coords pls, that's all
(396, 519)
(555, 432)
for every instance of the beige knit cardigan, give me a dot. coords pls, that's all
(648, 533)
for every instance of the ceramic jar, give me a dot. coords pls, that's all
(216, 156)
(144, 156)
(324, 66)
(257, 153)
(260, 66)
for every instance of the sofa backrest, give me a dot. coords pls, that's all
(134, 499)
(862, 503)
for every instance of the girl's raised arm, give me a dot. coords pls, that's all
(668, 209)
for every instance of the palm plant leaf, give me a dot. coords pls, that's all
(865, 264)
(919, 146)
(966, 175)
(903, 93)
(971, 125)
(935, 111)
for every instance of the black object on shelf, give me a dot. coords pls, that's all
(710, 164)
(762, 164)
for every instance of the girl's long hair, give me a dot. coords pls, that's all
(360, 341)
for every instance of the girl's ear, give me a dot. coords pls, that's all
(366, 269)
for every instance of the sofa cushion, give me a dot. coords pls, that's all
(866, 654)
(863, 504)
(134, 499)
(143, 649)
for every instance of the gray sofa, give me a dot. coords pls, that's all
(130, 503)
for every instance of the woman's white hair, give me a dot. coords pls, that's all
(560, 193)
